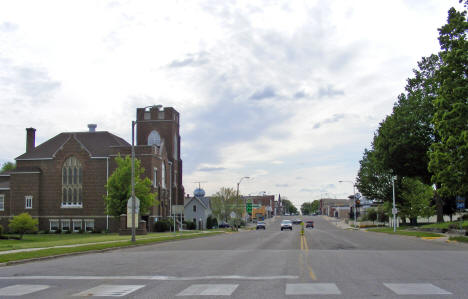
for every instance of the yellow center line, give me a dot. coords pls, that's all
(305, 248)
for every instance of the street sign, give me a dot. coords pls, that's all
(249, 208)
(129, 212)
(394, 211)
(233, 214)
(460, 203)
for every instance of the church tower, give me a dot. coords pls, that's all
(158, 125)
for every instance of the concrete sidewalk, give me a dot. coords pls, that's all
(92, 243)
(340, 223)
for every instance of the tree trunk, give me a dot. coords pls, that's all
(414, 221)
(439, 208)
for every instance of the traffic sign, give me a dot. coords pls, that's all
(394, 211)
(460, 203)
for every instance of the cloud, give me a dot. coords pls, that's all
(210, 169)
(282, 185)
(335, 118)
(329, 91)
(300, 94)
(190, 60)
(27, 82)
(265, 93)
(8, 27)
(308, 190)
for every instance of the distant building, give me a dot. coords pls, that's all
(335, 207)
(62, 181)
(197, 208)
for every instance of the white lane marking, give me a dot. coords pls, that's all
(312, 289)
(109, 290)
(22, 289)
(416, 289)
(152, 277)
(209, 290)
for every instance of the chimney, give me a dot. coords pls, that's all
(30, 139)
(92, 128)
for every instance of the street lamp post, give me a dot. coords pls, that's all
(133, 181)
(394, 208)
(354, 199)
(237, 196)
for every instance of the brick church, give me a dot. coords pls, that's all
(62, 181)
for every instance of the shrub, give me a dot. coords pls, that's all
(23, 223)
(45, 232)
(58, 231)
(211, 222)
(162, 225)
(465, 217)
(190, 225)
(96, 231)
(67, 231)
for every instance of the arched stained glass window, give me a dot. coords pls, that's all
(154, 138)
(72, 177)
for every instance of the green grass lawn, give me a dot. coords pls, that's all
(459, 239)
(446, 225)
(49, 240)
(141, 240)
(402, 231)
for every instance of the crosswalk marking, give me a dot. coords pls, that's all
(22, 289)
(209, 290)
(109, 290)
(312, 289)
(416, 289)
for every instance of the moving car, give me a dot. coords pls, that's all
(297, 221)
(261, 225)
(286, 224)
(310, 223)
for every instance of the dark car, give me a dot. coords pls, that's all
(309, 224)
(224, 225)
(261, 225)
(297, 221)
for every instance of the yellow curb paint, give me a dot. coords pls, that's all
(431, 238)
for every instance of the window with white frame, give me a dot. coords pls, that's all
(89, 225)
(163, 175)
(28, 201)
(155, 177)
(72, 183)
(54, 224)
(77, 225)
(65, 224)
(2, 202)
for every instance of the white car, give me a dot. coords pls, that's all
(286, 224)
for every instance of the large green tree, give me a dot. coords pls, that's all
(289, 206)
(308, 208)
(404, 137)
(119, 188)
(417, 198)
(224, 202)
(373, 179)
(449, 155)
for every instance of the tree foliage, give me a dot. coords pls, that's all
(308, 208)
(289, 206)
(224, 202)
(449, 155)
(23, 223)
(119, 188)
(7, 166)
(417, 198)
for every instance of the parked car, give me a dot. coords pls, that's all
(261, 225)
(297, 221)
(286, 224)
(310, 223)
(224, 225)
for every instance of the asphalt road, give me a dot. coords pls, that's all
(328, 262)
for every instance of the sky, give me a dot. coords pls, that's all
(288, 93)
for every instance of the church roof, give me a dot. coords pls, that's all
(97, 144)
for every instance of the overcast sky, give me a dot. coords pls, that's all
(286, 92)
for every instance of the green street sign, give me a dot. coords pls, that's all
(249, 208)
